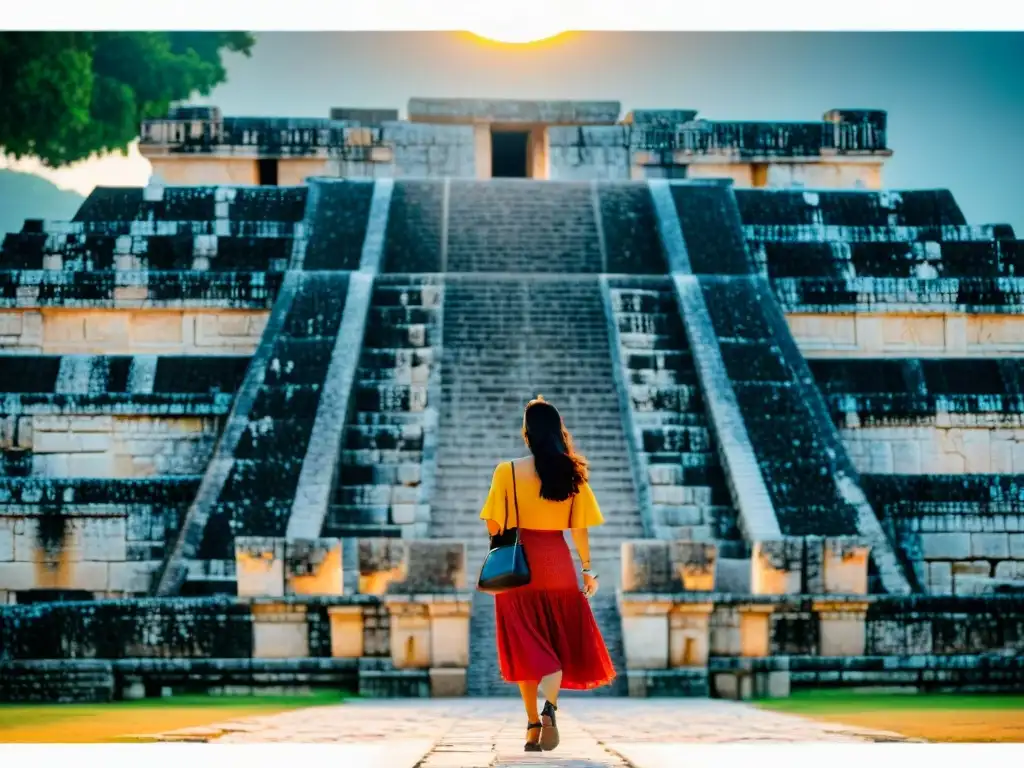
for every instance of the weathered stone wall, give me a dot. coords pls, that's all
(964, 533)
(86, 536)
(411, 150)
(199, 171)
(899, 334)
(58, 331)
(407, 615)
(778, 173)
(753, 647)
(936, 450)
(825, 175)
(117, 446)
(84, 553)
(588, 152)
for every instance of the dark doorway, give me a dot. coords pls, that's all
(266, 168)
(509, 154)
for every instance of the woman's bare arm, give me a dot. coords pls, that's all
(581, 538)
(493, 528)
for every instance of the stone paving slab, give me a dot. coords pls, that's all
(489, 733)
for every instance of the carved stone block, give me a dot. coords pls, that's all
(259, 565)
(777, 567)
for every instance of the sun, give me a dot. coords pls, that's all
(516, 31)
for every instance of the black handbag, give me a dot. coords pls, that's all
(505, 566)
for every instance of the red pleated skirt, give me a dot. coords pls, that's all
(548, 625)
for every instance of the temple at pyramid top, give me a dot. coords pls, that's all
(493, 138)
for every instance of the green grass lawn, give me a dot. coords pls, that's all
(127, 720)
(934, 716)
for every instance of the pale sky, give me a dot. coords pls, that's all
(955, 100)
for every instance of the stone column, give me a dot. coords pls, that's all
(645, 633)
(346, 631)
(279, 631)
(689, 634)
(449, 647)
(410, 634)
(482, 150)
(755, 630)
(449, 634)
(842, 627)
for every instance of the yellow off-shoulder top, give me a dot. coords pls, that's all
(536, 513)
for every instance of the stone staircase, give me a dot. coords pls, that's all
(506, 339)
(520, 225)
(259, 490)
(813, 485)
(250, 483)
(385, 481)
(676, 449)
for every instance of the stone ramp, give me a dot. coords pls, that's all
(489, 733)
(813, 486)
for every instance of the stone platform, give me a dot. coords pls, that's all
(488, 733)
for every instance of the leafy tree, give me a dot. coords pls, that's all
(68, 95)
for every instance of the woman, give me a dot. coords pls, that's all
(547, 636)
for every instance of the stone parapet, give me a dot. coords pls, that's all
(668, 566)
(251, 642)
(940, 295)
(34, 289)
(398, 569)
(816, 565)
(920, 641)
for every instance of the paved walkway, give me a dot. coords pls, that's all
(488, 733)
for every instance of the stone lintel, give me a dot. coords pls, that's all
(692, 608)
(407, 608)
(629, 607)
(839, 608)
(659, 118)
(765, 608)
(484, 111)
(278, 612)
(448, 609)
(345, 610)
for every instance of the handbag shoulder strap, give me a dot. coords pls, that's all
(571, 505)
(505, 527)
(515, 495)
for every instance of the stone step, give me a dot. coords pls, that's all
(378, 495)
(344, 530)
(398, 419)
(372, 457)
(402, 316)
(384, 438)
(669, 438)
(387, 358)
(683, 460)
(657, 419)
(409, 473)
(401, 335)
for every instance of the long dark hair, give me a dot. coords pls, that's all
(561, 470)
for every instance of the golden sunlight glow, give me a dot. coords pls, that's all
(516, 31)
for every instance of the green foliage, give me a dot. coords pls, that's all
(68, 95)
